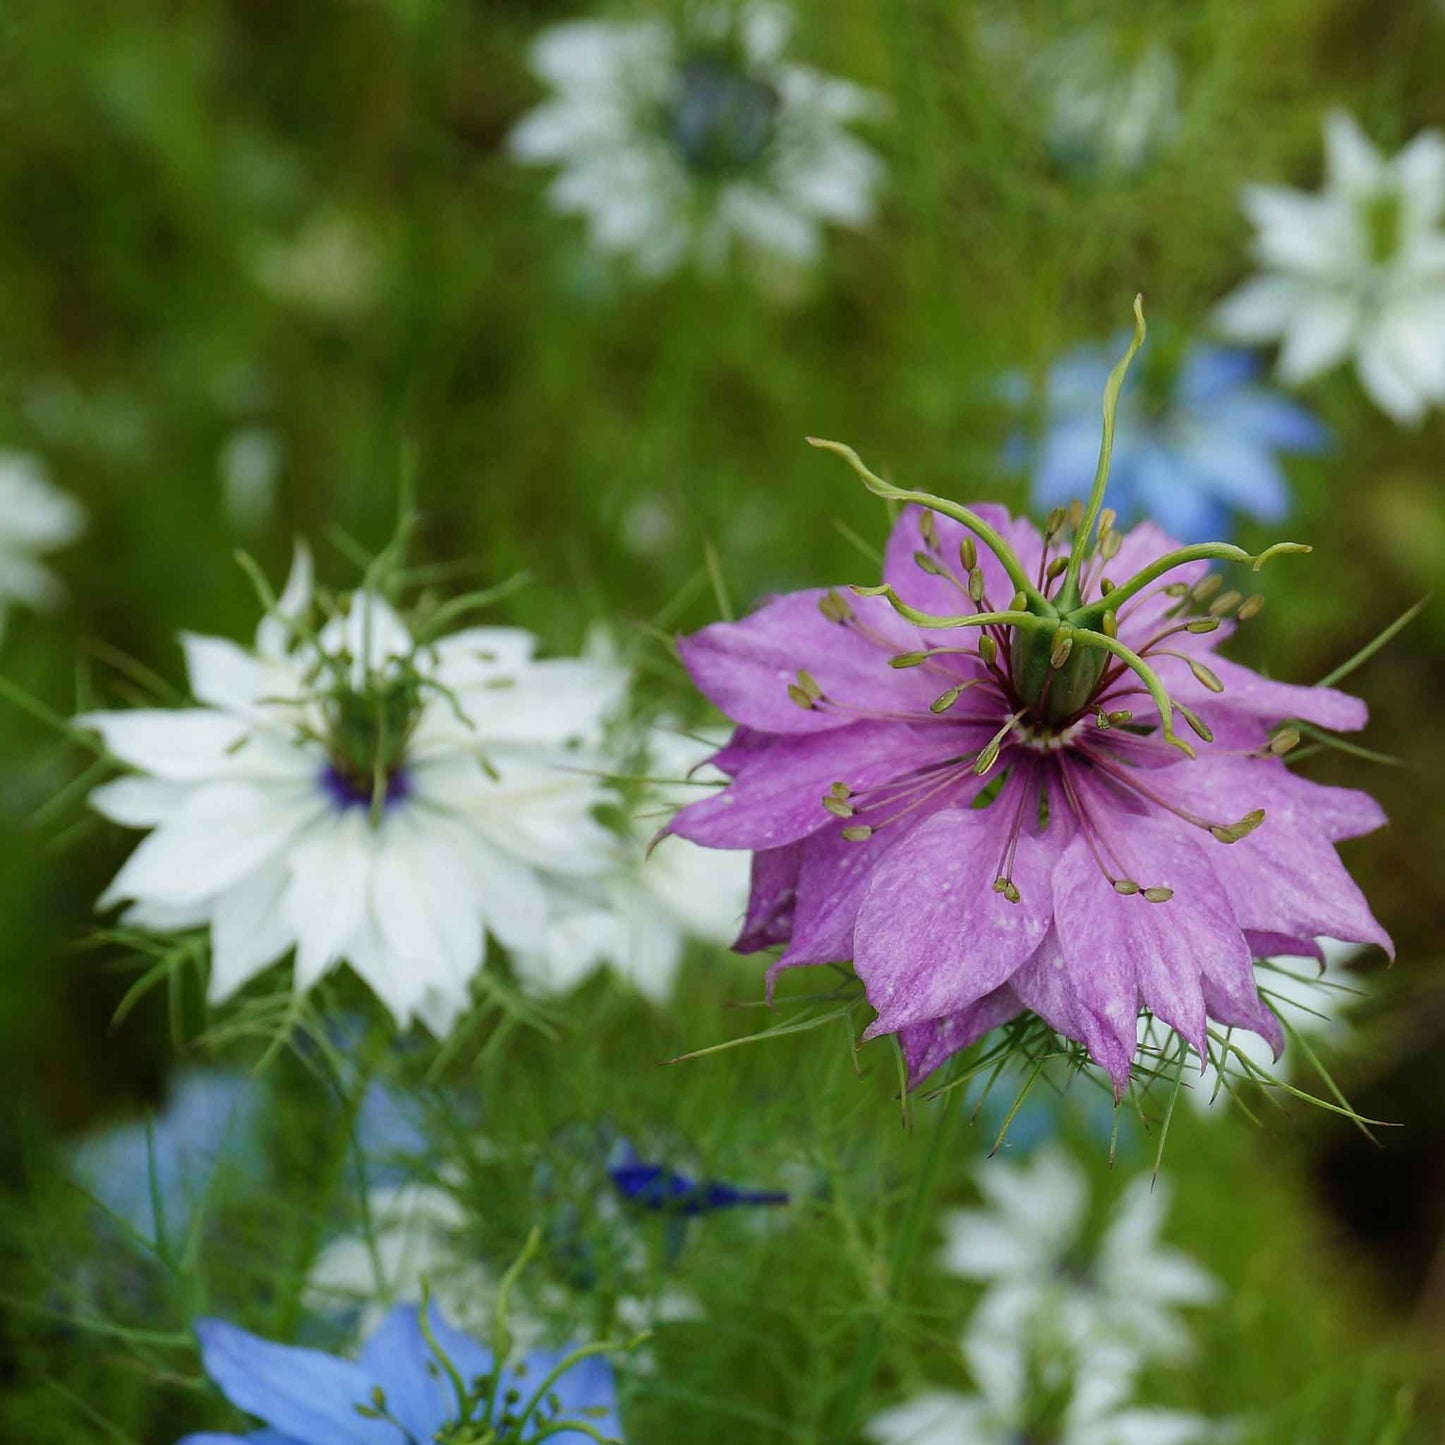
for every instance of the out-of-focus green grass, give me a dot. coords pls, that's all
(161, 158)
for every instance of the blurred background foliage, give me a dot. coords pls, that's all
(262, 259)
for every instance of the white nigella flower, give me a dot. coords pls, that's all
(1357, 270)
(363, 797)
(35, 518)
(676, 142)
(1028, 1246)
(638, 917)
(1029, 1395)
(1307, 999)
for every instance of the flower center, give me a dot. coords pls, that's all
(722, 119)
(367, 732)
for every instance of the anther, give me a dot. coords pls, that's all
(1057, 568)
(859, 833)
(1196, 723)
(1250, 607)
(975, 584)
(987, 758)
(1110, 624)
(926, 528)
(1109, 547)
(1007, 887)
(1107, 518)
(1233, 832)
(801, 698)
(1206, 587)
(1126, 886)
(1053, 523)
(1105, 586)
(1204, 677)
(1063, 646)
(1225, 603)
(1075, 514)
(1101, 720)
(835, 607)
(1283, 741)
(988, 651)
(1158, 895)
(836, 806)
(968, 554)
(1020, 602)
(1202, 624)
(1177, 589)
(841, 790)
(930, 564)
(908, 659)
(1119, 718)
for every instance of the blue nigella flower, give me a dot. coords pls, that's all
(166, 1164)
(413, 1383)
(1197, 439)
(656, 1186)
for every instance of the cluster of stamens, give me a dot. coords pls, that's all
(1048, 671)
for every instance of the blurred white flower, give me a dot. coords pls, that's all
(250, 466)
(1029, 1247)
(35, 519)
(1027, 1394)
(639, 916)
(362, 797)
(1356, 270)
(1305, 998)
(675, 143)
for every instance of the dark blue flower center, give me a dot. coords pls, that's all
(351, 791)
(722, 119)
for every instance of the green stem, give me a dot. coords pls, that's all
(905, 1246)
(1027, 620)
(1112, 388)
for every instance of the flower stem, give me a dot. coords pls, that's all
(905, 1246)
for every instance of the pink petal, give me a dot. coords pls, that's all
(769, 918)
(931, 1043)
(933, 937)
(747, 667)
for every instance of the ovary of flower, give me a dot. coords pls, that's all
(1027, 1246)
(677, 144)
(1355, 270)
(35, 519)
(362, 798)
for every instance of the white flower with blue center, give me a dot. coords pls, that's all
(1355, 271)
(1198, 439)
(678, 143)
(362, 796)
(414, 1380)
(35, 518)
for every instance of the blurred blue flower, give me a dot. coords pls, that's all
(401, 1388)
(656, 1186)
(1196, 442)
(165, 1164)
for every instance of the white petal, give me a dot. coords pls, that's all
(1351, 160)
(1387, 383)
(328, 891)
(184, 745)
(249, 930)
(224, 675)
(273, 633)
(219, 835)
(1260, 309)
(1318, 337)
(370, 633)
(139, 802)
(939, 1417)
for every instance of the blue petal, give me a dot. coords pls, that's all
(397, 1358)
(1172, 496)
(1066, 461)
(259, 1437)
(588, 1385)
(309, 1397)
(1210, 373)
(1244, 477)
(1272, 420)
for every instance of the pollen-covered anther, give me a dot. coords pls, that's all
(1119, 717)
(967, 552)
(805, 692)
(835, 607)
(1202, 624)
(1110, 624)
(1056, 569)
(1250, 607)
(1233, 832)
(1205, 588)
(908, 659)
(1063, 646)
(988, 651)
(1225, 603)
(928, 529)
(987, 757)
(1126, 886)
(926, 562)
(857, 833)
(836, 806)
(1204, 676)
(975, 584)
(1158, 895)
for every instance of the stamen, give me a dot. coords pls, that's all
(988, 754)
(1283, 740)
(1225, 603)
(1250, 607)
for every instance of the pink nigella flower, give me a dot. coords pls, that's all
(970, 782)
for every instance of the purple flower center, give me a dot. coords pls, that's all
(349, 792)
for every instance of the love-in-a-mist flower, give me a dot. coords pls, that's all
(678, 142)
(415, 1379)
(1029, 1245)
(35, 518)
(1198, 439)
(972, 782)
(1356, 270)
(1033, 1394)
(638, 918)
(363, 796)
